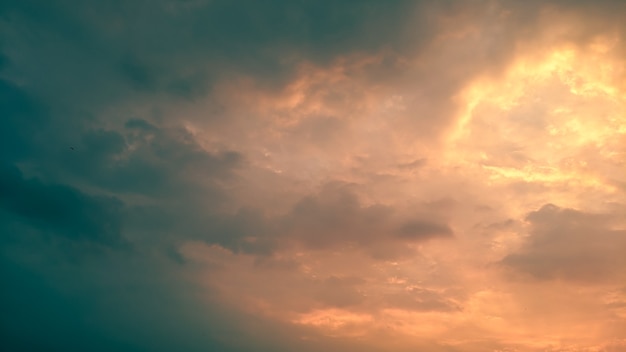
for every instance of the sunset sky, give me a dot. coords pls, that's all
(313, 176)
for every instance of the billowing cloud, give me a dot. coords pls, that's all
(336, 216)
(312, 175)
(571, 245)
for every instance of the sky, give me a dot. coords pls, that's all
(372, 176)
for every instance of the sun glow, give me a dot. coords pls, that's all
(545, 120)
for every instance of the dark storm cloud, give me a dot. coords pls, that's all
(161, 163)
(122, 303)
(22, 118)
(568, 244)
(59, 70)
(61, 209)
(179, 48)
(31, 308)
(74, 59)
(138, 159)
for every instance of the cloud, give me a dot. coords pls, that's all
(414, 230)
(122, 302)
(22, 116)
(147, 160)
(335, 217)
(285, 173)
(180, 50)
(567, 244)
(61, 209)
(340, 292)
(421, 300)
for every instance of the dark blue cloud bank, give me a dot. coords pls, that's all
(89, 225)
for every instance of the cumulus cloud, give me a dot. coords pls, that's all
(568, 244)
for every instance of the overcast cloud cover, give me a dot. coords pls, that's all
(208, 175)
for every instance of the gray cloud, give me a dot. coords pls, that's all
(416, 230)
(336, 217)
(177, 49)
(162, 162)
(568, 244)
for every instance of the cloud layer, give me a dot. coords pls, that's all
(312, 175)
